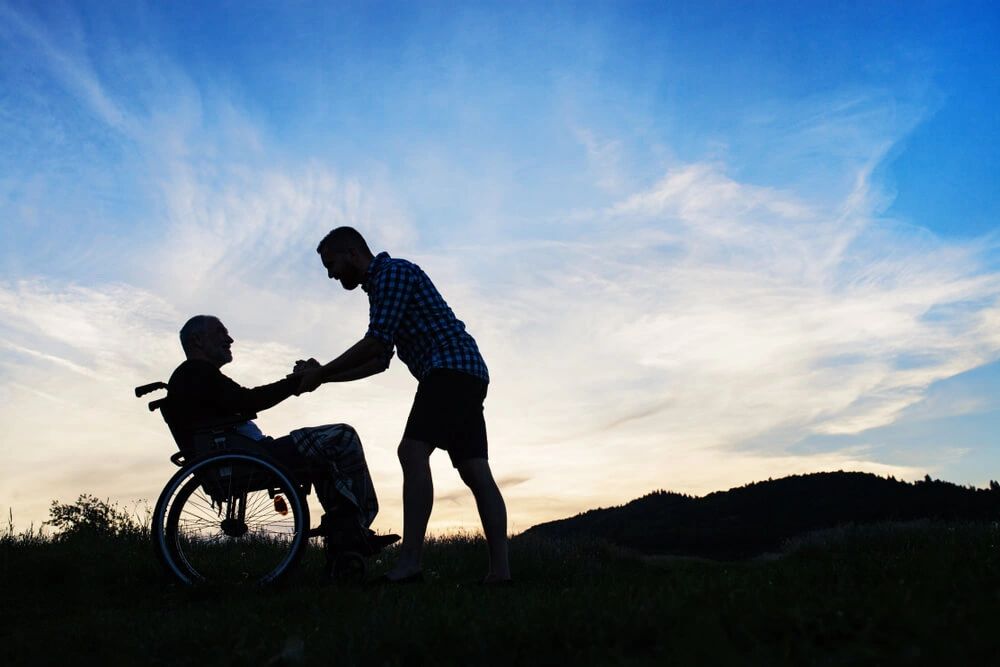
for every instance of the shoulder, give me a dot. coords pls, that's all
(392, 270)
(385, 262)
(193, 371)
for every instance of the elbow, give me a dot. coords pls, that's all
(379, 353)
(380, 363)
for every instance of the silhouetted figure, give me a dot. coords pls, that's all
(200, 393)
(406, 312)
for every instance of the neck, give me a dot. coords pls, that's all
(199, 356)
(365, 263)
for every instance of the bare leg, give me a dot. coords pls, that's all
(418, 499)
(492, 512)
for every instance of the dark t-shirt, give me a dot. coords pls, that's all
(198, 392)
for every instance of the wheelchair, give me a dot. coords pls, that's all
(233, 514)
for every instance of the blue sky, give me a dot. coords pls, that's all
(700, 244)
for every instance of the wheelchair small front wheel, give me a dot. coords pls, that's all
(232, 518)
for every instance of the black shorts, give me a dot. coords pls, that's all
(447, 413)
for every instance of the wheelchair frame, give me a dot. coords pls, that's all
(223, 469)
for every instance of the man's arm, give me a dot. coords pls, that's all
(388, 297)
(209, 388)
(364, 358)
(257, 399)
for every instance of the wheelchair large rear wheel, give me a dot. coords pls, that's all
(231, 518)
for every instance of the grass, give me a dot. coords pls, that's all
(887, 594)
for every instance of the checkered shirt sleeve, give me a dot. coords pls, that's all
(392, 289)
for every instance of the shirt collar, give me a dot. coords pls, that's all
(373, 269)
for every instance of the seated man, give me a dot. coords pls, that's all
(199, 393)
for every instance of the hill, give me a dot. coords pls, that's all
(758, 517)
(899, 594)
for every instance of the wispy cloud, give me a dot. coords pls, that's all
(51, 358)
(742, 317)
(67, 61)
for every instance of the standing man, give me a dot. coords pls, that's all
(406, 312)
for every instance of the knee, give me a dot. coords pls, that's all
(469, 478)
(348, 429)
(412, 453)
(475, 473)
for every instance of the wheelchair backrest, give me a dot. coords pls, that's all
(210, 435)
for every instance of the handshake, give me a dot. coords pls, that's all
(309, 375)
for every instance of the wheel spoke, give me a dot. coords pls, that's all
(256, 546)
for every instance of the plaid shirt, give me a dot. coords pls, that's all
(406, 310)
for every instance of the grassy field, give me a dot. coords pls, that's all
(888, 594)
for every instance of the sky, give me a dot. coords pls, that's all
(699, 244)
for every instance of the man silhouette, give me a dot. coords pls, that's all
(199, 392)
(406, 312)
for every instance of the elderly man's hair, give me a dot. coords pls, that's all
(196, 326)
(343, 238)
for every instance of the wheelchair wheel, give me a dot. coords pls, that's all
(231, 518)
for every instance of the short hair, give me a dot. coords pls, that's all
(193, 327)
(343, 238)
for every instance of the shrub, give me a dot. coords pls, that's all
(93, 516)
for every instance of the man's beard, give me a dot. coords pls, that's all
(222, 357)
(352, 279)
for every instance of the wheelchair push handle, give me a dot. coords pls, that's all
(146, 388)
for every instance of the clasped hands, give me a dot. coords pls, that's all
(309, 374)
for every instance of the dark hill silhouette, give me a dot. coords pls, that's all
(758, 517)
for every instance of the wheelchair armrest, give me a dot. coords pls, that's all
(212, 425)
(204, 442)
